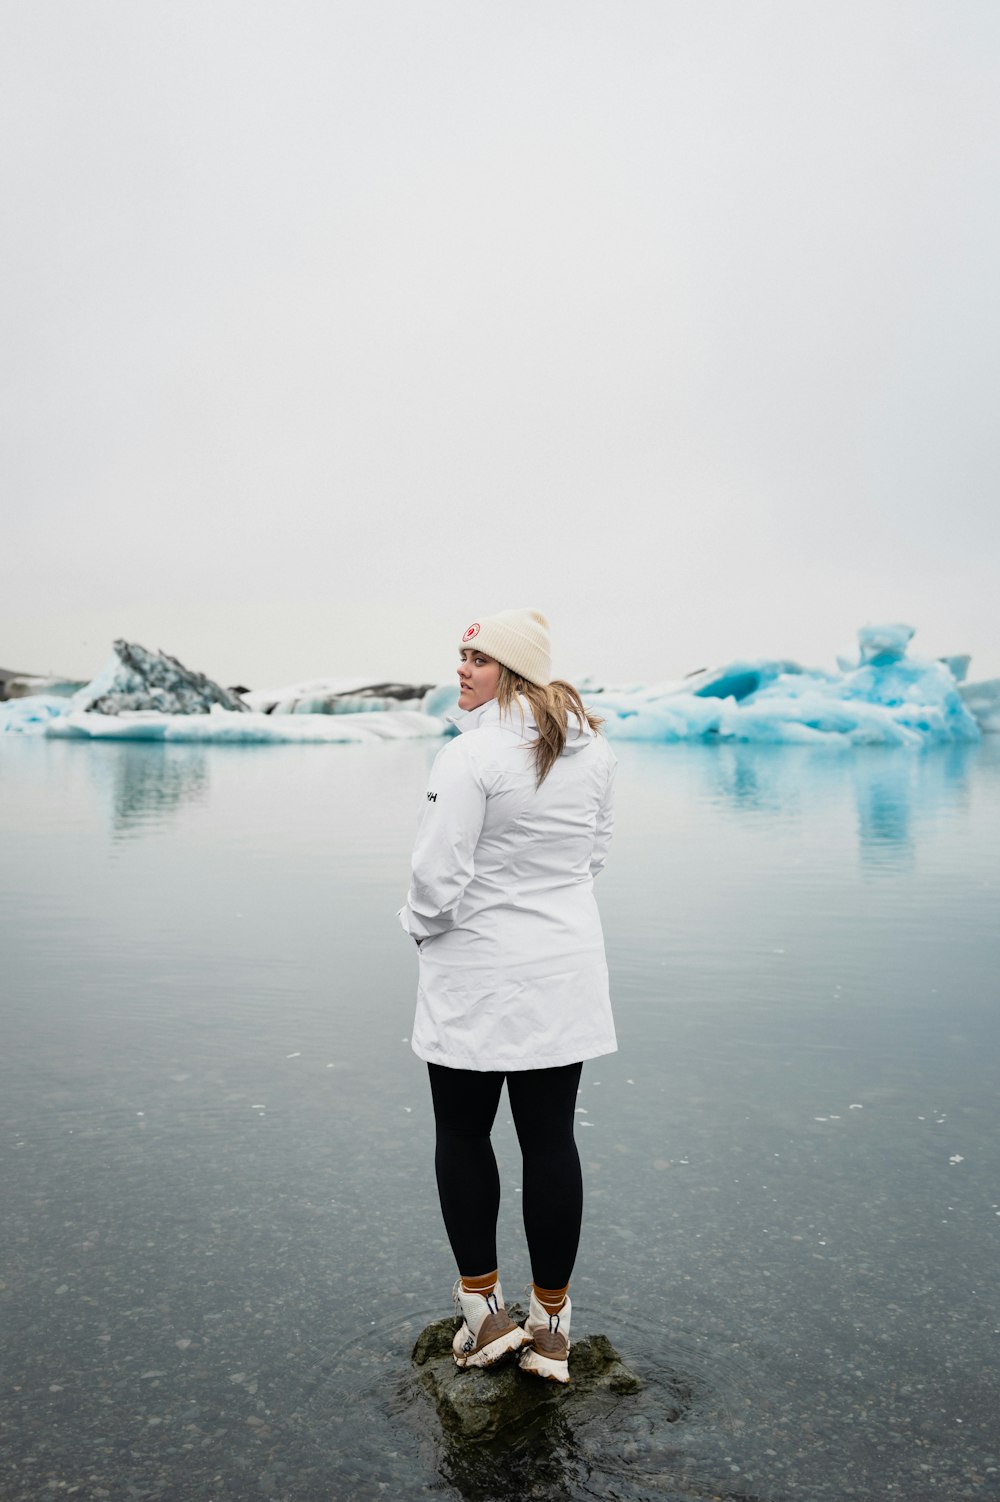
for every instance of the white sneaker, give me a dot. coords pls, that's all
(548, 1353)
(487, 1331)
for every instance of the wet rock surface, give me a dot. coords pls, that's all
(503, 1432)
(500, 1402)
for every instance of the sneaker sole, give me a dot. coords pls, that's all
(544, 1366)
(512, 1341)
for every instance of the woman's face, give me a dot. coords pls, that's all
(478, 678)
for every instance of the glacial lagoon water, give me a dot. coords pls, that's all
(220, 1232)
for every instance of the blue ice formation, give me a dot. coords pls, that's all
(982, 700)
(880, 697)
(442, 700)
(30, 715)
(885, 698)
(958, 666)
(881, 645)
(738, 680)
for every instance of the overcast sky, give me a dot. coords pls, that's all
(329, 327)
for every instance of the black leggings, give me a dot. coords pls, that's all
(543, 1102)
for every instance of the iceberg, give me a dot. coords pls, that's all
(886, 699)
(143, 695)
(881, 645)
(737, 680)
(881, 696)
(245, 727)
(31, 714)
(957, 666)
(982, 700)
(442, 700)
(134, 678)
(335, 696)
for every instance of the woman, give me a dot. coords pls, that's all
(513, 978)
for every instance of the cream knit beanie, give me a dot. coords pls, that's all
(517, 638)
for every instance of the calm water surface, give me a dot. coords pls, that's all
(220, 1229)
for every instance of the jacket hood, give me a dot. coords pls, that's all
(577, 735)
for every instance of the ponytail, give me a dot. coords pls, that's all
(551, 704)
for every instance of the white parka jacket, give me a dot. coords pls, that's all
(513, 973)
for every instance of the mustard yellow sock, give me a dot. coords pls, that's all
(551, 1299)
(485, 1283)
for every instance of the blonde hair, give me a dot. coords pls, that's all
(551, 704)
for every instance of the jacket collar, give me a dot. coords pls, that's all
(578, 735)
(472, 719)
(489, 714)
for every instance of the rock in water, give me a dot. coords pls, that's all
(136, 678)
(484, 1405)
(502, 1411)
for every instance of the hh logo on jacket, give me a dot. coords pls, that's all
(432, 797)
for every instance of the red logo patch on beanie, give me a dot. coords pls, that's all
(472, 631)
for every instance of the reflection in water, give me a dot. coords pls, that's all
(745, 786)
(149, 781)
(900, 794)
(758, 779)
(897, 792)
(884, 797)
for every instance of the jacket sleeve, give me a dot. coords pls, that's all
(605, 823)
(449, 830)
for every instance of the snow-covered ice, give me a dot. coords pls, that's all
(30, 715)
(881, 696)
(982, 700)
(247, 728)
